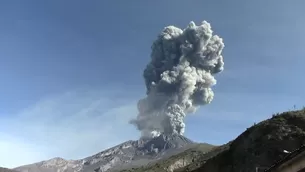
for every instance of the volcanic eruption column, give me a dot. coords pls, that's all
(178, 78)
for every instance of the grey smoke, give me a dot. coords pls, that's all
(178, 78)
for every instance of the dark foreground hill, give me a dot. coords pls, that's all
(259, 146)
(262, 144)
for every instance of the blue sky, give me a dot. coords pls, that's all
(71, 71)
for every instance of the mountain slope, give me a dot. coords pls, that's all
(52, 165)
(259, 146)
(126, 155)
(177, 161)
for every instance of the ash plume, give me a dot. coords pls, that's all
(178, 78)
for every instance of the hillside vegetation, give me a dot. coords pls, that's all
(259, 146)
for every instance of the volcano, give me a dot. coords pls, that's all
(126, 155)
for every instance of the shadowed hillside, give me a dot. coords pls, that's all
(262, 144)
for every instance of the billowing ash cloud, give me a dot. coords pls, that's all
(178, 78)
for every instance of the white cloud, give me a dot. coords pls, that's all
(72, 125)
